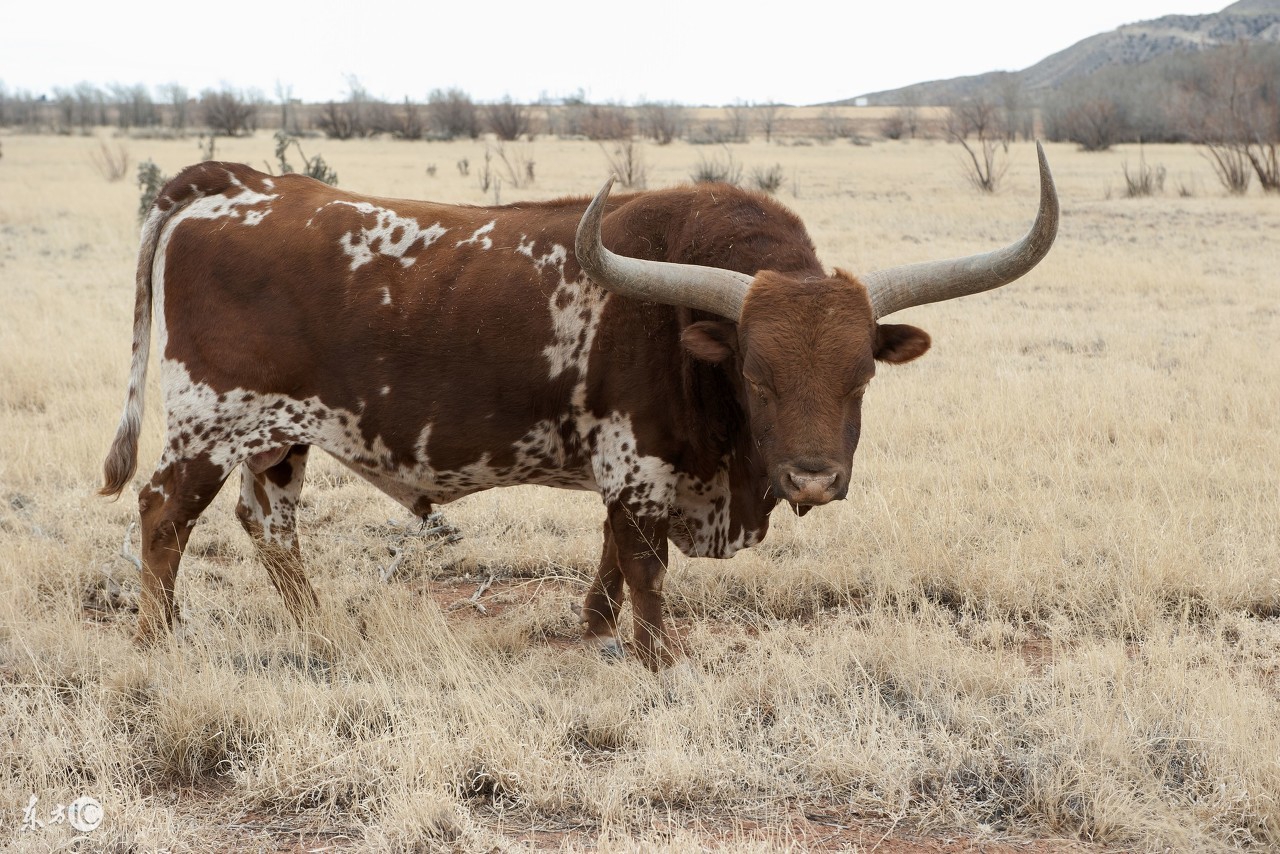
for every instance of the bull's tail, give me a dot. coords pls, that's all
(122, 459)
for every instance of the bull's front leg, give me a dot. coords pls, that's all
(641, 545)
(599, 612)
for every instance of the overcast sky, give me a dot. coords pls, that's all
(790, 51)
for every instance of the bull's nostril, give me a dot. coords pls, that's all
(807, 481)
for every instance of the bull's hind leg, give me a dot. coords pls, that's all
(169, 506)
(600, 610)
(268, 510)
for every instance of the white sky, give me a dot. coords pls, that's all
(693, 52)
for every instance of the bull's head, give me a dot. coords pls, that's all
(801, 350)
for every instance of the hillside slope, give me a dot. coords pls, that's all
(1131, 44)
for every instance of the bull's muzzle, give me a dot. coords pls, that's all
(802, 486)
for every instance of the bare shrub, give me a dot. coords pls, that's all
(410, 122)
(832, 125)
(452, 114)
(312, 167)
(626, 160)
(662, 122)
(768, 178)
(508, 120)
(894, 127)
(1143, 181)
(724, 170)
(1234, 114)
(973, 124)
(599, 122)
(110, 163)
(1093, 118)
(228, 112)
(517, 164)
(1231, 164)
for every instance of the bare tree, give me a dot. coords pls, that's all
(1092, 115)
(974, 123)
(768, 115)
(452, 114)
(134, 107)
(179, 100)
(1234, 114)
(739, 115)
(228, 112)
(662, 121)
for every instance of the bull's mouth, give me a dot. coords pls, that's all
(800, 509)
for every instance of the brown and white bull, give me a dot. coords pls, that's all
(709, 370)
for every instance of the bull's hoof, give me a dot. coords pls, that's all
(608, 647)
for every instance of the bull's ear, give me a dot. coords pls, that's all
(897, 343)
(711, 341)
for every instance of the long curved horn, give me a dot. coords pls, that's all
(933, 281)
(706, 288)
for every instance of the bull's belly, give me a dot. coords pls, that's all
(411, 489)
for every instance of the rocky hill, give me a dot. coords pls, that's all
(1131, 44)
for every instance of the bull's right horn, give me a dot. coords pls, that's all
(693, 286)
(933, 281)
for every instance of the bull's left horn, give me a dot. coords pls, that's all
(705, 288)
(933, 281)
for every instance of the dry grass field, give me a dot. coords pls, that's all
(1047, 616)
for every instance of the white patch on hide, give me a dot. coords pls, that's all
(381, 238)
(480, 237)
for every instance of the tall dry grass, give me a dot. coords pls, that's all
(1048, 608)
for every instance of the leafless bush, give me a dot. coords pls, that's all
(1143, 181)
(893, 127)
(228, 112)
(973, 123)
(599, 122)
(1094, 119)
(508, 120)
(626, 160)
(312, 167)
(724, 170)
(452, 114)
(517, 164)
(1233, 112)
(411, 122)
(1230, 164)
(356, 117)
(768, 178)
(112, 164)
(662, 122)
(832, 125)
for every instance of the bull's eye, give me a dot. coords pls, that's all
(757, 389)
(858, 390)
